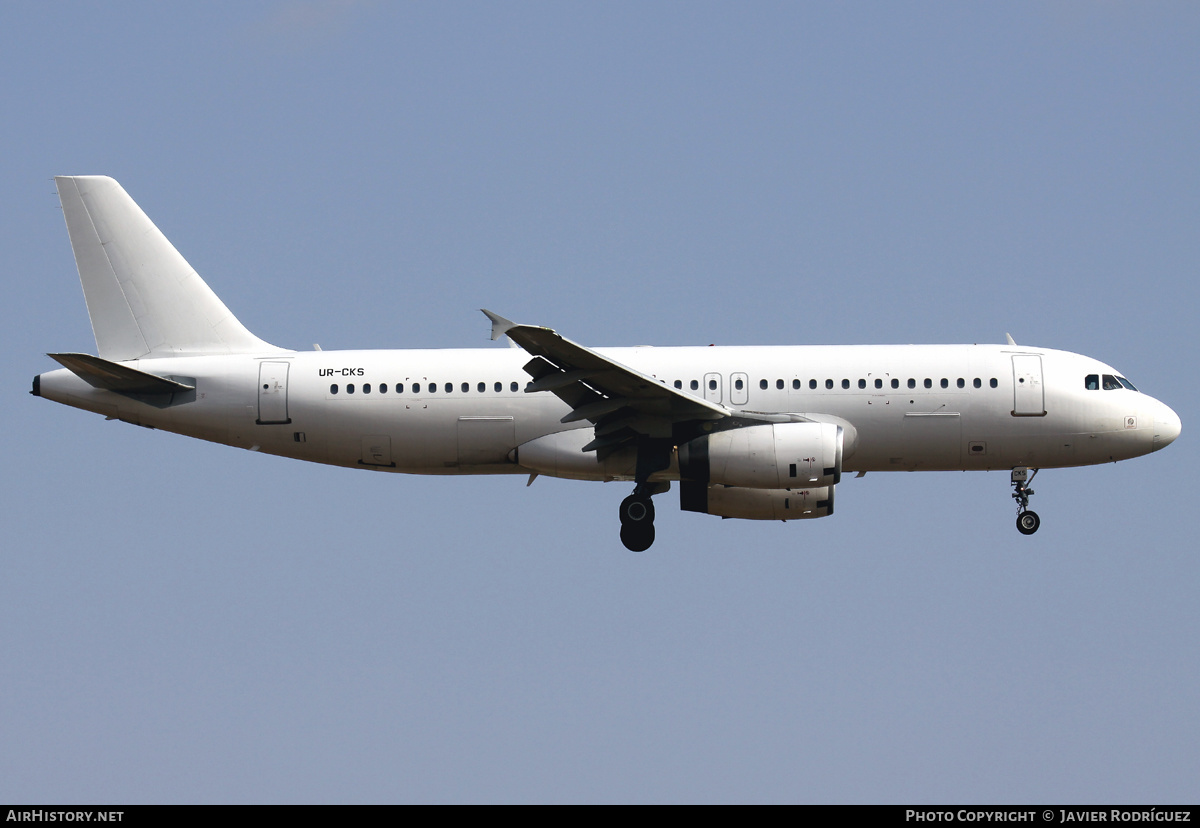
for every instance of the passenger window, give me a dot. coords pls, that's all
(978, 383)
(796, 385)
(812, 384)
(694, 385)
(761, 384)
(928, 382)
(1092, 382)
(895, 383)
(912, 383)
(383, 388)
(481, 387)
(466, 386)
(779, 384)
(449, 387)
(366, 388)
(498, 388)
(829, 384)
(433, 388)
(878, 384)
(399, 388)
(993, 382)
(712, 385)
(945, 383)
(862, 383)
(333, 389)
(679, 384)
(350, 388)
(416, 388)
(962, 383)
(512, 387)
(845, 383)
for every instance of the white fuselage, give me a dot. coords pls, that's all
(904, 407)
(757, 433)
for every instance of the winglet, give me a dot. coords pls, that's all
(1008, 336)
(500, 325)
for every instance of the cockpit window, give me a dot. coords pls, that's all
(1110, 383)
(1092, 382)
(1126, 383)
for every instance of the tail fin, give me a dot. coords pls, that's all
(144, 299)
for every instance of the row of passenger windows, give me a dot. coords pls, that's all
(739, 384)
(1092, 382)
(430, 388)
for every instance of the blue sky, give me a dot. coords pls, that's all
(184, 622)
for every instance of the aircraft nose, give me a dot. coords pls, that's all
(1166, 427)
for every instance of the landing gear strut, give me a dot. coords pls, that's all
(1027, 521)
(637, 510)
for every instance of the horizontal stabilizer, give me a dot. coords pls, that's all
(112, 376)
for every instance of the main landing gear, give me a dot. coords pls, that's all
(1027, 521)
(637, 522)
(637, 510)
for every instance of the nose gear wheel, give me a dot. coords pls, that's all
(1027, 521)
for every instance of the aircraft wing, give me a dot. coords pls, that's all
(621, 402)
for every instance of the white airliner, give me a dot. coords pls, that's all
(762, 433)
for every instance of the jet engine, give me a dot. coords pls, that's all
(756, 504)
(774, 456)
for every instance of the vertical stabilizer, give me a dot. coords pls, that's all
(143, 298)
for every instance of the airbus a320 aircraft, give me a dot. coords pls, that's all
(760, 433)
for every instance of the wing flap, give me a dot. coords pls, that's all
(596, 411)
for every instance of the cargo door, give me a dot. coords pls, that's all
(485, 440)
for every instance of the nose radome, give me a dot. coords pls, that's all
(1166, 427)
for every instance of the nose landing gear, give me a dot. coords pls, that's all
(1027, 521)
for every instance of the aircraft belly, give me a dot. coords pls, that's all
(424, 436)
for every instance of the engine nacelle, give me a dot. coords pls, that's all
(769, 456)
(756, 504)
